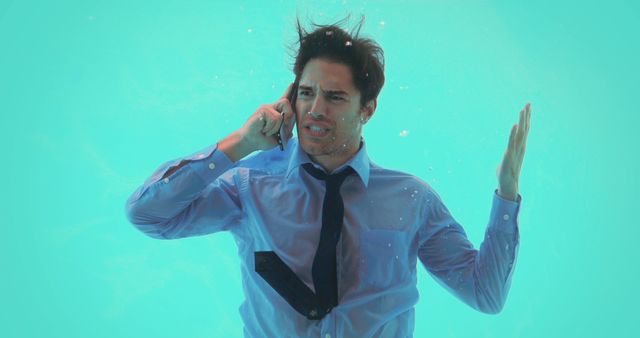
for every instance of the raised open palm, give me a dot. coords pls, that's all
(509, 171)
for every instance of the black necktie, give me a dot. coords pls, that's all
(324, 263)
(284, 281)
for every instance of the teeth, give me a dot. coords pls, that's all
(314, 128)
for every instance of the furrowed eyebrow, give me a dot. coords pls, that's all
(330, 92)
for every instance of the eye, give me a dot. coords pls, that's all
(303, 92)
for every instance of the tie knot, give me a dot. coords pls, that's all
(333, 178)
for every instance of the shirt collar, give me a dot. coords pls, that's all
(360, 162)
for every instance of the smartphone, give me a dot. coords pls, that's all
(282, 134)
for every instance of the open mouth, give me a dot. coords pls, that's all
(317, 131)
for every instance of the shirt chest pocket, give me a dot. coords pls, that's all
(384, 257)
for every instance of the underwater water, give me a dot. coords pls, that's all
(95, 95)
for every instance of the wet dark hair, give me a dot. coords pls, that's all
(363, 56)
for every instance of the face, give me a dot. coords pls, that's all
(327, 99)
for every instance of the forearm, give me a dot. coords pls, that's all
(154, 207)
(235, 146)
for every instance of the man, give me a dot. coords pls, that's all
(328, 240)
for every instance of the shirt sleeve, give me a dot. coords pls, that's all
(197, 199)
(480, 278)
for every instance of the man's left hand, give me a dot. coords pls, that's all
(509, 171)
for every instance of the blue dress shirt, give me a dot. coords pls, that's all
(270, 203)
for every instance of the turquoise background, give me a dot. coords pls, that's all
(95, 95)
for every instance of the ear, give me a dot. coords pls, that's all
(368, 110)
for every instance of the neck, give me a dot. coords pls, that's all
(330, 162)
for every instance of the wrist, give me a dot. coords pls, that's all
(511, 195)
(235, 146)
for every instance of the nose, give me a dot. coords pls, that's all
(318, 107)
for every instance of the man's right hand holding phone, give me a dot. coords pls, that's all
(260, 130)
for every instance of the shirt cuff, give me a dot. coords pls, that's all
(209, 163)
(504, 213)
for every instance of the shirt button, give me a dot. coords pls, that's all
(505, 217)
(166, 180)
(313, 313)
(212, 166)
(327, 336)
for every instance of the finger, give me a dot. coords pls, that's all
(273, 119)
(512, 137)
(286, 92)
(283, 105)
(281, 123)
(521, 125)
(263, 114)
(528, 118)
(289, 120)
(270, 123)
